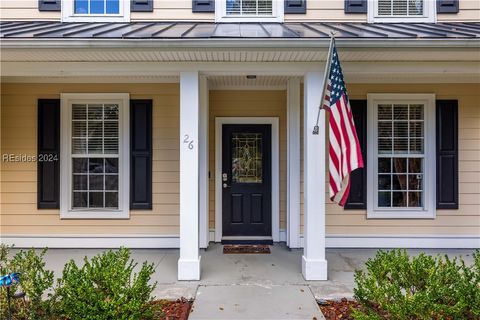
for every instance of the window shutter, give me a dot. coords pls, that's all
(355, 6)
(141, 154)
(295, 6)
(447, 154)
(48, 154)
(203, 5)
(49, 5)
(357, 199)
(447, 6)
(141, 6)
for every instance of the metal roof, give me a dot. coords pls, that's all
(205, 30)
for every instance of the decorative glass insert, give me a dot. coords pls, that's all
(247, 157)
(400, 158)
(95, 155)
(249, 7)
(97, 7)
(400, 8)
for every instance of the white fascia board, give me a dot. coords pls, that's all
(173, 44)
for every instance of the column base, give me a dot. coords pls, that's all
(189, 269)
(314, 269)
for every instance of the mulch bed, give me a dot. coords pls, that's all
(243, 249)
(172, 310)
(338, 310)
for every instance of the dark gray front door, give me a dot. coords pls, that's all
(247, 180)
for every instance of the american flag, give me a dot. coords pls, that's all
(344, 150)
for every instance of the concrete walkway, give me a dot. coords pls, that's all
(280, 270)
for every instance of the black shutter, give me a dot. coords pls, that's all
(48, 154)
(357, 199)
(447, 154)
(141, 6)
(447, 6)
(355, 6)
(203, 5)
(295, 6)
(49, 5)
(141, 154)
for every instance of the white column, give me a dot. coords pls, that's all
(314, 265)
(293, 162)
(203, 148)
(189, 262)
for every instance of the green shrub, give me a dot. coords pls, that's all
(105, 287)
(396, 286)
(35, 280)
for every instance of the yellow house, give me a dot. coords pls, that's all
(173, 124)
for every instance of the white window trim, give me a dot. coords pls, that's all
(429, 14)
(66, 211)
(428, 211)
(221, 13)
(68, 14)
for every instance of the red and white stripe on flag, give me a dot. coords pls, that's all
(344, 149)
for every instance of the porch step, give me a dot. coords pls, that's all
(255, 303)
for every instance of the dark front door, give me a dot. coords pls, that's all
(247, 180)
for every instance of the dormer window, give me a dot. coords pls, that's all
(401, 11)
(249, 11)
(96, 10)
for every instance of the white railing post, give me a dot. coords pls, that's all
(314, 265)
(189, 261)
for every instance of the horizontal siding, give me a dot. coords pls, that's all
(249, 104)
(18, 195)
(465, 220)
(181, 10)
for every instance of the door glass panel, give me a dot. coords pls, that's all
(247, 157)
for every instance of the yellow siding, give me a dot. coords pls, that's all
(168, 10)
(18, 209)
(465, 220)
(249, 104)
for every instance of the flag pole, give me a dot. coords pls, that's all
(316, 129)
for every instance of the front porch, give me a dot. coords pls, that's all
(273, 271)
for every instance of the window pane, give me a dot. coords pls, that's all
(111, 199)
(79, 112)
(97, 6)
(415, 199)
(384, 182)
(384, 112)
(384, 165)
(416, 112)
(415, 182)
(95, 199)
(110, 129)
(95, 112)
(95, 165)
(385, 129)
(399, 182)
(79, 146)
(384, 199)
(247, 157)
(416, 146)
(95, 146)
(400, 129)
(399, 7)
(249, 7)
(415, 165)
(399, 165)
(79, 129)
(113, 7)
(111, 165)
(399, 199)
(111, 112)
(80, 165)
(233, 7)
(400, 112)
(400, 146)
(111, 182)
(415, 7)
(385, 146)
(80, 182)
(81, 6)
(96, 182)
(80, 200)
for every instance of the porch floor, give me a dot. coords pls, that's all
(280, 268)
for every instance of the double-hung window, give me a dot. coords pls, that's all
(94, 156)
(401, 174)
(96, 10)
(401, 11)
(249, 11)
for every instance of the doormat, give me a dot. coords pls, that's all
(246, 249)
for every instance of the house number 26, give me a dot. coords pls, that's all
(187, 141)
